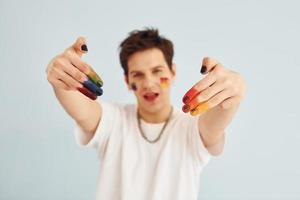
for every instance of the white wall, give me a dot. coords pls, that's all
(39, 158)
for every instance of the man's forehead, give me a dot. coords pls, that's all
(135, 70)
(147, 59)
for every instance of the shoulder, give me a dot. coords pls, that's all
(113, 108)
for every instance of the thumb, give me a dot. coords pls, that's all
(80, 46)
(208, 64)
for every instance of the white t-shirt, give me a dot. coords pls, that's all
(131, 168)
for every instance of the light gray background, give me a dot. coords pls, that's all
(39, 158)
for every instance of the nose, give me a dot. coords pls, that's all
(149, 82)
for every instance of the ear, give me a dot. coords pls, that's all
(173, 71)
(127, 81)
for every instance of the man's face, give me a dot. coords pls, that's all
(146, 70)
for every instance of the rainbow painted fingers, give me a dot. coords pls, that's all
(192, 105)
(93, 86)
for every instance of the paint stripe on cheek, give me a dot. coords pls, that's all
(133, 86)
(164, 82)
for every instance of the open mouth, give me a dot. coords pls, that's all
(151, 97)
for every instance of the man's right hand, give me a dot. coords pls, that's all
(68, 71)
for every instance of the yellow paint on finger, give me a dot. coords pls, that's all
(95, 78)
(202, 107)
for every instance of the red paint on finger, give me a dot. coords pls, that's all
(185, 108)
(189, 95)
(87, 93)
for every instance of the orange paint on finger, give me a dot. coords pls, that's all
(164, 82)
(202, 107)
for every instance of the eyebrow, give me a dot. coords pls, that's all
(153, 68)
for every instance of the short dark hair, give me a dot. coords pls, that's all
(140, 40)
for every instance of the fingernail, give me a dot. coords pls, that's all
(185, 108)
(203, 69)
(185, 99)
(84, 48)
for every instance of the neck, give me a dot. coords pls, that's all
(157, 117)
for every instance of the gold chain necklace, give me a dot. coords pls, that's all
(161, 131)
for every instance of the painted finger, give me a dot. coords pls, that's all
(93, 87)
(87, 93)
(200, 109)
(74, 72)
(80, 46)
(214, 101)
(208, 65)
(75, 60)
(203, 96)
(66, 78)
(198, 87)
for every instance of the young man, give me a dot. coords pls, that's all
(150, 150)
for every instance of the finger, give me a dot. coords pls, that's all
(95, 78)
(80, 46)
(198, 87)
(203, 96)
(74, 72)
(60, 84)
(77, 61)
(66, 78)
(219, 98)
(208, 64)
(228, 103)
(202, 107)
(87, 93)
(93, 87)
(84, 67)
(214, 101)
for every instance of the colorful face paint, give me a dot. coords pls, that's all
(93, 76)
(164, 82)
(87, 93)
(93, 87)
(189, 95)
(200, 109)
(133, 86)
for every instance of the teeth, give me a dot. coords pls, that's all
(151, 95)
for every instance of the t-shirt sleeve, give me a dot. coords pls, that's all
(109, 118)
(195, 140)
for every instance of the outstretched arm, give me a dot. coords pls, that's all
(216, 97)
